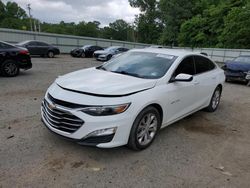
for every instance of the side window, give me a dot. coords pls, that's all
(124, 49)
(203, 64)
(32, 43)
(41, 44)
(186, 66)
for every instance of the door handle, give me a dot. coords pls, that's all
(196, 83)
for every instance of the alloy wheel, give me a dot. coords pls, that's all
(10, 69)
(147, 129)
(216, 99)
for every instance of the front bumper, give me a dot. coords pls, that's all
(122, 122)
(102, 58)
(236, 75)
(90, 141)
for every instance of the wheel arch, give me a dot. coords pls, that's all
(220, 86)
(158, 107)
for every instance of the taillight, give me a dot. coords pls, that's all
(24, 52)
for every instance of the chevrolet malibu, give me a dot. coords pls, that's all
(127, 100)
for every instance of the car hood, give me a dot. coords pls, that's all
(99, 82)
(238, 66)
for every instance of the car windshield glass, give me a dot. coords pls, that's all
(243, 59)
(111, 48)
(86, 46)
(22, 43)
(140, 64)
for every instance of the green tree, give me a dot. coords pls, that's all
(236, 33)
(148, 23)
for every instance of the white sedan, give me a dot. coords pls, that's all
(127, 100)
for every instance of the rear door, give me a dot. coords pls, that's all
(32, 47)
(205, 77)
(42, 48)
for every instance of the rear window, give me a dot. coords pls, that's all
(5, 46)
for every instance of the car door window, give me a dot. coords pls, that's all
(32, 44)
(41, 44)
(186, 66)
(203, 64)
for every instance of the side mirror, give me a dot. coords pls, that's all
(182, 78)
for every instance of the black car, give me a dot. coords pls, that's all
(40, 48)
(85, 51)
(12, 59)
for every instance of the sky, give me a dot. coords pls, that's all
(104, 11)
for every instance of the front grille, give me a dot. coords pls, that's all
(96, 55)
(64, 103)
(59, 119)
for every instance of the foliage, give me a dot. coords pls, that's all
(193, 23)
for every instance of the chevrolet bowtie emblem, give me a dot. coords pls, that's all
(52, 106)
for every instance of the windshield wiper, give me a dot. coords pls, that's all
(101, 68)
(127, 73)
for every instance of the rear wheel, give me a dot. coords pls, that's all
(50, 54)
(83, 55)
(144, 129)
(10, 68)
(215, 100)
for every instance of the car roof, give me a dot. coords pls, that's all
(26, 41)
(174, 52)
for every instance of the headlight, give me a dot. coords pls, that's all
(106, 110)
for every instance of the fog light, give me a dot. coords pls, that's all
(102, 132)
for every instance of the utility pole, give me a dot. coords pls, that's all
(29, 9)
(35, 29)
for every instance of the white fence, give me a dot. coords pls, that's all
(67, 42)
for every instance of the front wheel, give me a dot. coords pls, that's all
(215, 100)
(50, 54)
(83, 55)
(9, 68)
(109, 57)
(144, 129)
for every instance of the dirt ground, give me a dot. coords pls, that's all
(203, 150)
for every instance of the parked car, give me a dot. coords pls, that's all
(12, 59)
(85, 51)
(106, 54)
(40, 48)
(238, 69)
(127, 100)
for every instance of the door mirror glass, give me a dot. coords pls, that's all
(183, 78)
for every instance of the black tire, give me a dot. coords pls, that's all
(134, 142)
(109, 57)
(83, 55)
(215, 100)
(50, 54)
(9, 68)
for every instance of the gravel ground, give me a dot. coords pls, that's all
(203, 150)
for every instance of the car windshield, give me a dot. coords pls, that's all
(111, 48)
(86, 46)
(140, 64)
(22, 43)
(243, 59)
